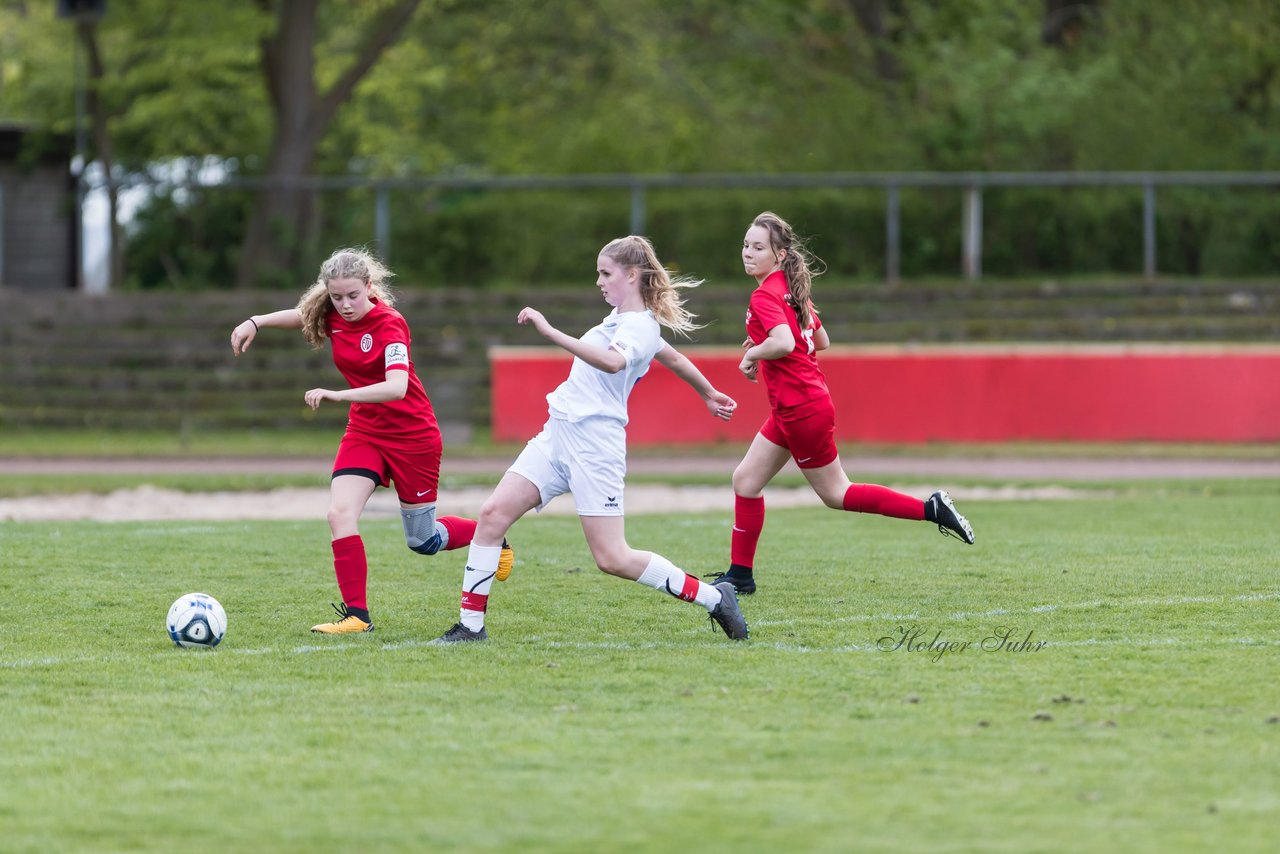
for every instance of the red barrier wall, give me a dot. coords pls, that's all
(954, 394)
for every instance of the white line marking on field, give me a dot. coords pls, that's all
(1146, 602)
(677, 644)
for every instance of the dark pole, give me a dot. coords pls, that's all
(78, 161)
(1148, 231)
(79, 11)
(892, 237)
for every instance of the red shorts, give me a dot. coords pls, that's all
(809, 435)
(416, 473)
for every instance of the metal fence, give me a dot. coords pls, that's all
(970, 184)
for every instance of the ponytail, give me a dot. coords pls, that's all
(799, 265)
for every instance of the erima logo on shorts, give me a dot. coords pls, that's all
(611, 502)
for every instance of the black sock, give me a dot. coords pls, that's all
(362, 613)
(737, 570)
(930, 511)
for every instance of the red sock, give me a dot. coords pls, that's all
(461, 531)
(748, 522)
(871, 498)
(352, 569)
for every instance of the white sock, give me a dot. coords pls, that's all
(662, 574)
(482, 565)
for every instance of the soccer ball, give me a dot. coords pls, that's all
(196, 620)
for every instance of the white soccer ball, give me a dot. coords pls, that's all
(196, 620)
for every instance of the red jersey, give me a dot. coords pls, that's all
(363, 351)
(794, 380)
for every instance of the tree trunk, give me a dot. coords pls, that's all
(276, 227)
(1064, 21)
(874, 18)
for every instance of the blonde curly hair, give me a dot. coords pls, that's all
(348, 263)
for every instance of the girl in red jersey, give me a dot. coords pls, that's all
(391, 435)
(783, 337)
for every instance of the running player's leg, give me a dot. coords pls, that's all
(348, 494)
(812, 441)
(514, 496)
(606, 537)
(832, 485)
(763, 460)
(834, 488)
(426, 534)
(416, 475)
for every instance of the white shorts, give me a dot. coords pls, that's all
(587, 458)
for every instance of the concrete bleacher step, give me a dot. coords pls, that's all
(164, 360)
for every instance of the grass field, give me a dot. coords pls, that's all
(605, 717)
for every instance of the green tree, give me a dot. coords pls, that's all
(304, 97)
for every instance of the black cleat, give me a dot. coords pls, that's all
(949, 520)
(744, 584)
(727, 615)
(460, 634)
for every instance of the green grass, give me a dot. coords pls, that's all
(603, 716)
(168, 443)
(28, 485)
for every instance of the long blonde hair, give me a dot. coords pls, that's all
(657, 285)
(315, 305)
(798, 264)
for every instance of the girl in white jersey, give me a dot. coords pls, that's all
(583, 447)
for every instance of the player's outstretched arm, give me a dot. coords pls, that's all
(718, 403)
(600, 358)
(244, 333)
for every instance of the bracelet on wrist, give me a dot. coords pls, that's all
(255, 324)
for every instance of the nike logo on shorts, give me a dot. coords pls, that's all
(805, 460)
(423, 492)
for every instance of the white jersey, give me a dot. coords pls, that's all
(590, 392)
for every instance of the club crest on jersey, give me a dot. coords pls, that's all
(366, 343)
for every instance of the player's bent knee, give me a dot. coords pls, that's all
(429, 546)
(422, 533)
(746, 484)
(833, 500)
(494, 515)
(339, 517)
(614, 561)
(611, 567)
